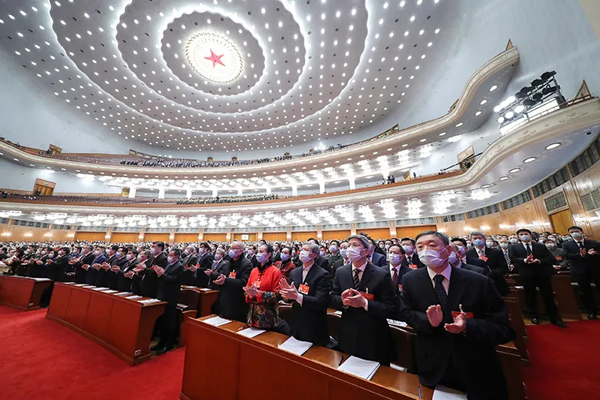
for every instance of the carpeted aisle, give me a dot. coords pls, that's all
(564, 362)
(42, 359)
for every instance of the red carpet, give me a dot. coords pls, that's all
(564, 362)
(41, 359)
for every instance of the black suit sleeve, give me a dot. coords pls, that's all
(388, 305)
(319, 300)
(501, 267)
(241, 278)
(494, 327)
(572, 251)
(408, 310)
(517, 259)
(335, 297)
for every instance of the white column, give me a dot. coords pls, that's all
(188, 193)
(321, 187)
(132, 193)
(240, 192)
(294, 190)
(268, 189)
(352, 183)
(161, 193)
(215, 192)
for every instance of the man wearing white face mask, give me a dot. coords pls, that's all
(459, 318)
(534, 263)
(411, 258)
(493, 259)
(335, 260)
(455, 259)
(366, 297)
(397, 270)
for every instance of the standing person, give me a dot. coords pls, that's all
(309, 292)
(148, 278)
(534, 263)
(459, 318)
(492, 257)
(262, 290)
(397, 270)
(584, 257)
(169, 285)
(335, 259)
(285, 264)
(366, 298)
(86, 258)
(411, 259)
(231, 300)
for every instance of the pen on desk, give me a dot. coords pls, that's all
(420, 393)
(341, 359)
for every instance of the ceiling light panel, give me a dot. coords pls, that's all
(125, 65)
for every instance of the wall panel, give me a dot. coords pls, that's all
(156, 237)
(275, 236)
(186, 237)
(413, 231)
(338, 235)
(215, 237)
(90, 236)
(376, 233)
(303, 236)
(252, 237)
(125, 237)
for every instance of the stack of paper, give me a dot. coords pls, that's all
(251, 332)
(295, 346)
(358, 367)
(401, 324)
(80, 284)
(100, 289)
(88, 286)
(68, 283)
(133, 297)
(149, 301)
(337, 312)
(205, 289)
(444, 393)
(40, 279)
(216, 321)
(110, 291)
(123, 293)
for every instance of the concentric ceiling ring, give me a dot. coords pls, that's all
(223, 54)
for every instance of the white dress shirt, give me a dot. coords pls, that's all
(360, 275)
(446, 272)
(305, 271)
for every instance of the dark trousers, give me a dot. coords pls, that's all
(543, 282)
(166, 325)
(491, 388)
(585, 288)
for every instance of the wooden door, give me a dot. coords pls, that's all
(561, 221)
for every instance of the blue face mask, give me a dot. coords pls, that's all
(262, 257)
(479, 243)
(395, 258)
(285, 257)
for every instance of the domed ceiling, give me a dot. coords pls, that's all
(228, 75)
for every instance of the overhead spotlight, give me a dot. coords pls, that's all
(509, 115)
(519, 109)
(501, 120)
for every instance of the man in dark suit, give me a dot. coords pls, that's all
(366, 297)
(493, 259)
(231, 298)
(148, 277)
(169, 284)
(103, 270)
(456, 257)
(335, 259)
(309, 291)
(132, 279)
(124, 284)
(117, 268)
(397, 269)
(86, 258)
(584, 257)
(534, 263)
(92, 269)
(204, 262)
(461, 245)
(459, 318)
(57, 270)
(320, 260)
(411, 258)
(190, 256)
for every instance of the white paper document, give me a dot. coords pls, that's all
(100, 289)
(216, 321)
(443, 393)
(68, 283)
(110, 291)
(88, 286)
(204, 289)
(295, 346)
(401, 324)
(337, 312)
(149, 301)
(133, 297)
(359, 367)
(250, 332)
(123, 293)
(80, 284)
(40, 279)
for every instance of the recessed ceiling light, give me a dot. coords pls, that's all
(422, 140)
(459, 124)
(483, 102)
(478, 113)
(493, 88)
(442, 134)
(530, 159)
(514, 170)
(503, 178)
(552, 146)
(485, 186)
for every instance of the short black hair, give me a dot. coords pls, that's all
(575, 227)
(442, 236)
(398, 246)
(409, 239)
(523, 230)
(335, 241)
(459, 239)
(115, 247)
(159, 244)
(316, 241)
(66, 250)
(205, 245)
(176, 251)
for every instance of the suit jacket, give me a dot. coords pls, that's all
(231, 298)
(366, 334)
(148, 280)
(58, 268)
(309, 321)
(322, 262)
(403, 271)
(497, 265)
(518, 253)
(379, 260)
(91, 274)
(80, 272)
(414, 260)
(473, 352)
(218, 268)
(205, 261)
(335, 261)
(484, 271)
(579, 264)
(112, 278)
(102, 275)
(169, 283)
(192, 259)
(124, 284)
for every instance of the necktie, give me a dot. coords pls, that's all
(580, 245)
(355, 279)
(528, 249)
(409, 259)
(507, 258)
(441, 292)
(395, 277)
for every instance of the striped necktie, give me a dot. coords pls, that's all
(355, 280)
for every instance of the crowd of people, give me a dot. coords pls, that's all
(449, 290)
(228, 199)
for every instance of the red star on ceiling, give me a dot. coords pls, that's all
(215, 58)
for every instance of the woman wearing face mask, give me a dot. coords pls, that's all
(261, 292)
(285, 265)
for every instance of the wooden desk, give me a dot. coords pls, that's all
(247, 365)
(22, 293)
(564, 298)
(122, 326)
(205, 302)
